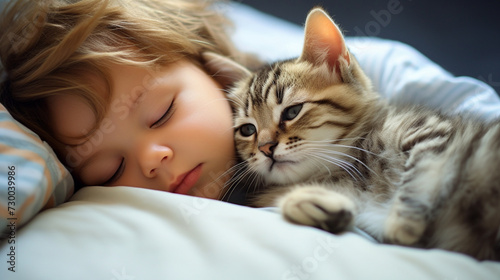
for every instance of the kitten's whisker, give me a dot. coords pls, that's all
(237, 176)
(335, 140)
(250, 178)
(255, 176)
(346, 166)
(359, 149)
(239, 101)
(326, 144)
(233, 169)
(234, 185)
(346, 155)
(361, 162)
(321, 159)
(235, 102)
(342, 166)
(321, 162)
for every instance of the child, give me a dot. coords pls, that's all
(118, 90)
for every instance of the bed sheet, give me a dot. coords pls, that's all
(129, 233)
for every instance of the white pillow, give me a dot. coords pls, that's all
(130, 233)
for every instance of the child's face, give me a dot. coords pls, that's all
(168, 130)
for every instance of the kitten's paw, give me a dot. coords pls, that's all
(403, 230)
(318, 207)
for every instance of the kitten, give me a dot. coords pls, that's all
(332, 154)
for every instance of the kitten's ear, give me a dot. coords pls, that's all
(223, 69)
(323, 40)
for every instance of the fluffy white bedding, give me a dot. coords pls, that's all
(127, 233)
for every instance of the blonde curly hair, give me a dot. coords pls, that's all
(50, 47)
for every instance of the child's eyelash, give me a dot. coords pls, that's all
(165, 117)
(117, 174)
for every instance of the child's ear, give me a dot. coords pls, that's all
(323, 41)
(223, 69)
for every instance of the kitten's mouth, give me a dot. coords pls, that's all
(277, 163)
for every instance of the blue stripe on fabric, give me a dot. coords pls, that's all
(30, 181)
(20, 141)
(32, 177)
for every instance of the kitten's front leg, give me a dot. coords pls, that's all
(414, 202)
(406, 221)
(424, 180)
(314, 205)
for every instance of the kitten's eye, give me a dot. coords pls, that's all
(247, 129)
(291, 112)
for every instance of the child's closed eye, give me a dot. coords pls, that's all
(166, 116)
(117, 174)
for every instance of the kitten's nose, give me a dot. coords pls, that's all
(268, 148)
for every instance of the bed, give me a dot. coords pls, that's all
(123, 233)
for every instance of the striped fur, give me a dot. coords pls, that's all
(406, 175)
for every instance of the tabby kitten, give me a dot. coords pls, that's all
(332, 154)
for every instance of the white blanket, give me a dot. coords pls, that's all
(128, 233)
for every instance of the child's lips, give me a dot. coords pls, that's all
(186, 181)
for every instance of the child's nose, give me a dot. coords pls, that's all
(152, 157)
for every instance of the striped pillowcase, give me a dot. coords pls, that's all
(31, 176)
